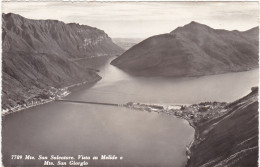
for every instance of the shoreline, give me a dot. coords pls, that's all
(190, 75)
(191, 113)
(54, 93)
(188, 147)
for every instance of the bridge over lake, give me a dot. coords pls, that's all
(87, 102)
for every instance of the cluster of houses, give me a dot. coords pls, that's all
(205, 110)
(43, 97)
(150, 107)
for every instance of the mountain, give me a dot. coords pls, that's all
(40, 55)
(230, 140)
(127, 43)
(192, 50)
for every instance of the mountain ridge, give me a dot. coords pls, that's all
(32, 34)
(39, 57)
(192, 50)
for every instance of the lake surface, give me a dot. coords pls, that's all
(141, 138)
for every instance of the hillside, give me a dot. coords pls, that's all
(39, 57)
(192, 50)
(229, 140)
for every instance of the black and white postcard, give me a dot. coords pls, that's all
(130, 84)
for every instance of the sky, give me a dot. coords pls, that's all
(141, 19)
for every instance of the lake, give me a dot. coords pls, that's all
(141, 138)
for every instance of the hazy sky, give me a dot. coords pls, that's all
(141, 19)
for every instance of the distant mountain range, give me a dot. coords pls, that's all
(192, 50)
(40, 54)
(127, 43)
